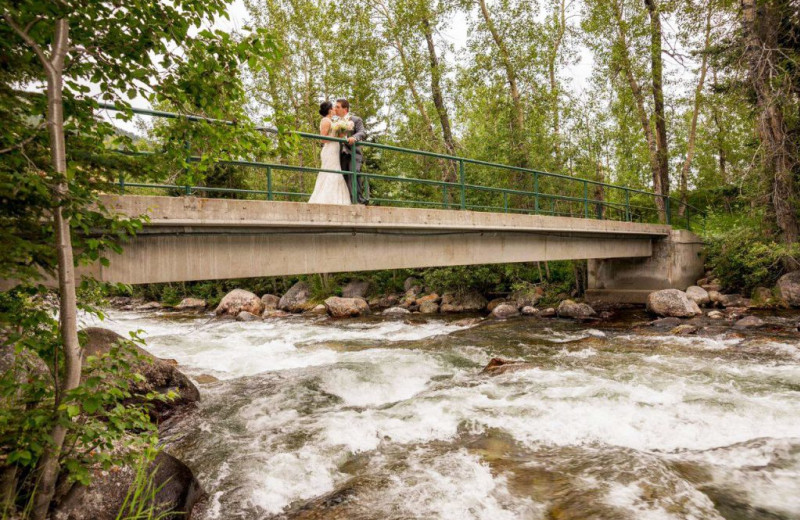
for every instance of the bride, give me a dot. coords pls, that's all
(330, 188)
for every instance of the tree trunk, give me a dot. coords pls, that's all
(760, 27)
(49, 464)
(560, 22)
(698, 96)
(661, 176)
(451, 174)
(518, 140)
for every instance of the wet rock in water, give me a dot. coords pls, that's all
(178, 491)
(570, 309)
(595, 333)
(698, 295)
(663, 323)
(247, 317)
(498, 366)
(206, 379)
(529, 311)
(471, 301)
(239, 300)
(296, 298)
(275, 314)
(789, 288)
(672, 303)
(428, 307)
(548, 312)
(732, 300)
(149, 306)
(355, 289)
(749, 322)
(504, 311)
(712, 285)
(191, 304)
(318, 309)
(432, 297)
(396, 311)
(346, 307)
(409, 299)
(270, 302)
(716, 315)
(468, 322)
(494, 303)
(684, 330)
(159, 375)
(528, 297)
(715, 297)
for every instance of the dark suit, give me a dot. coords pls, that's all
(345, 158)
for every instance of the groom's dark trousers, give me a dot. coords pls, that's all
(345, 159)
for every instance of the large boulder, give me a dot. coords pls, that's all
(732, 300)
(346, 307)
(789, 288)
(159, 375)
(176, 493)
(428, 307)
(296, 298)
(412, 283)
(247, 316)
(355, 289)
(471, 301)
(191, 304)
(570, 309)
(504, 311)
(384, 302)
(396, 311)
(672, 302)
(270, 302)
(749, 322)
(239, 300)
(698, 295)
(527, 297)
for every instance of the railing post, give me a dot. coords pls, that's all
(269, 183)
(585, 199)
(444, 197)
(505, 202)
(668, 208)
(688, 218)
(187, 147)
(463, 184)
(535, 193)
(354, 173)
(627, 205)
(121, 183)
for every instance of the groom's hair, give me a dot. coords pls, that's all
(343, 103)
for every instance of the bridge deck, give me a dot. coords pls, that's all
(189, 238)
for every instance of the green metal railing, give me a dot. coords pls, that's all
(631, 204)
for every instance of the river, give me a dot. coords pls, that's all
(386, 419)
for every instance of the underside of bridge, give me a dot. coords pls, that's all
(190, 238)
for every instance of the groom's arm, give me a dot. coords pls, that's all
(359, 132)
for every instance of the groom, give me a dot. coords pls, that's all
(358, 133)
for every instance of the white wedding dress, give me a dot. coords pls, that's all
(330, 188)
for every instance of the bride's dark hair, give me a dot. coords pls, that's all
(325, 108)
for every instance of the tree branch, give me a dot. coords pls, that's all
(22, 33)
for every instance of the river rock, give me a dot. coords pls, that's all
(428, 307)
(296, 298)
(270, 302)
(749, 322)
(346, 307)
(497, 366)
(384, 302)
(178, 491)
(191, 304)
(672, 303)
(239, 300)
(396, 311)
(663, 323)
(275, 313)
(549, 312)
(159, 375)
(149, 306)
(684, 330)
(570, 309)
(471, 301)
(716, 315)
(698, 295)
(732, 300)
(318, 309)
(409, 299)
(761, 295)
(355, 289)
(504, 311)
(468, 322)
(715, 297)
(432, 297)
(206, 379)
(528, 297)
(789, 288)
(529, 311)
(247, 317)
(412, 284)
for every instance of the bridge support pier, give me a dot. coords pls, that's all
(677, 262)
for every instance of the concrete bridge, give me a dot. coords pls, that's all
(190, 238)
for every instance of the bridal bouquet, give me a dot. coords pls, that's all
(341, 126)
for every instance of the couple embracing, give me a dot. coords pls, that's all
(336, 188)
